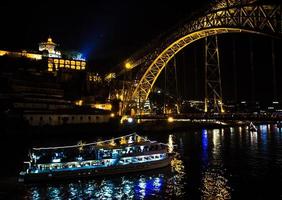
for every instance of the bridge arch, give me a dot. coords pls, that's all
(252, 17)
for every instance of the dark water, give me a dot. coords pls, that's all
(230, 163)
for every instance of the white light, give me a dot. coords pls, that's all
(56, 160)
(159, 92)
(130, 120)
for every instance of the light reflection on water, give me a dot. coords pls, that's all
(140, 187)
(214, 183)
(221, 163)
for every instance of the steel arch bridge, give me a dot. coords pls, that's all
(225, 16)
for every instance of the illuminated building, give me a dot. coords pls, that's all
(55, 64)
(94, 77)
(47, 51)
(23, 53)
(50, 47)
(102, 106)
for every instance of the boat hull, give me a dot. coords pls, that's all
(89, 173)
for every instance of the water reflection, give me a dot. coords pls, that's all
(205, 143)
(263, 131)
(215, 186)
(254, 138)
(214, 182)
(140, 187)
(216, 147)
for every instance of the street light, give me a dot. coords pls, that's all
(170, 119)
(128, 65)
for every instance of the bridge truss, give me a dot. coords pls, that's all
(226, 16)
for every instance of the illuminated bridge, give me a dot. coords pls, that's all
(224, 16)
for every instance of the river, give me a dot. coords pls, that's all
(229, 163)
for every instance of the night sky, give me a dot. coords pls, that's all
(99, 29)
(113, 30)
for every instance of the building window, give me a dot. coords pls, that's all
(50, 118)
(72, 118)
(31, 118)
(59, 118)
(89, 118)
(41, 118)
(81, 118)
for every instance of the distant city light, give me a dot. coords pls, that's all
(170, 119)
(130, 120)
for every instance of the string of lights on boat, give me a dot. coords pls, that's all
(79, 145)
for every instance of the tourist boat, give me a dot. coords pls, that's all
(125, 154)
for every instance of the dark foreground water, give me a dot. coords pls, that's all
(230, 163)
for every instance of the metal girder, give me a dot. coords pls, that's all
(213, 90)
(228, 16)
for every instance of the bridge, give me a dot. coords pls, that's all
(221, 17)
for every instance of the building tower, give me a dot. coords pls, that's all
(50, 46)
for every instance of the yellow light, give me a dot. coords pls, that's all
(112, 115)
(128, 66)
(170, 144)
(170, 119)
(2, 53)
(112, 143)
(122, 140)
(105, 106)
(79, 102)
(139, 139)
